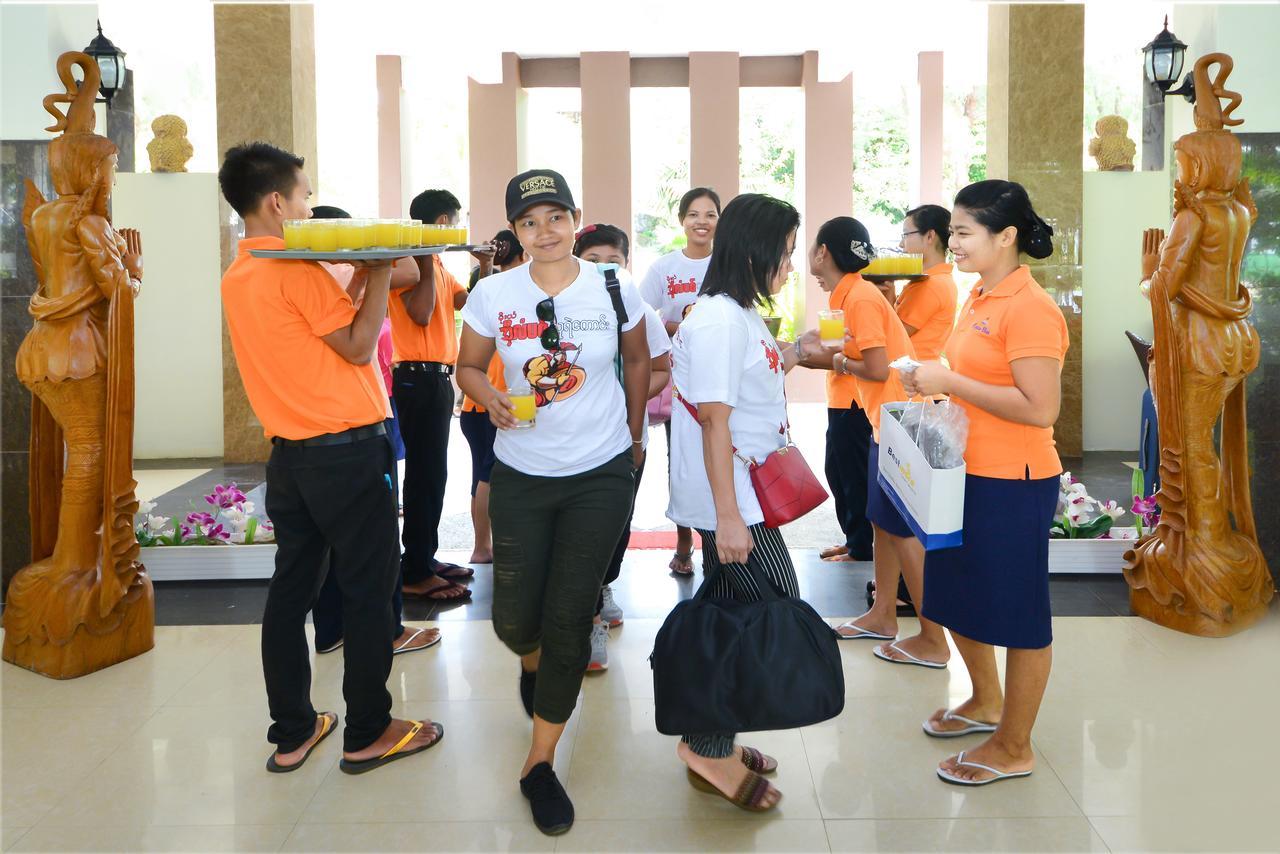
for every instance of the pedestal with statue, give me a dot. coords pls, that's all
(85, 601)
(1201, 570)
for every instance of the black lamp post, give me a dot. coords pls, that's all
(1163, 58)
(110, 61)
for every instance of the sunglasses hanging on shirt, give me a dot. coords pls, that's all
(546, 312)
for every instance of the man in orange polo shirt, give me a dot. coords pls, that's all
(425, 339)
(306, 356)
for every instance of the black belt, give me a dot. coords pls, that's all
(427, 367)
(346, 437)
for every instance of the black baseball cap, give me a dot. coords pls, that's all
(537, 187)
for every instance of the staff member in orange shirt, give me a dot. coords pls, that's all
(425, 340)
(478, 429)
(877, 338)
(928, 308)
(836, 268)
(306, 357)
(1006, 359)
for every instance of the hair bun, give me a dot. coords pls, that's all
(1038, 244)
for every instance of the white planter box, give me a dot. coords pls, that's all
(1089, 556)
(209, 563)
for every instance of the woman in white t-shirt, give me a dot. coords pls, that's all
(671, 286)
(608, 247)
(560, 490)
(728, 378)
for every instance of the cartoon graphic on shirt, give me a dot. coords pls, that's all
(553, 376)
(771, 354)
(688, 308)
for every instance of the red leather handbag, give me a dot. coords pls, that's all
(785, 485)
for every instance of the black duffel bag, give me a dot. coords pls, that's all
(720, 665)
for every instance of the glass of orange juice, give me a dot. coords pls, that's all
(831, 327)
(387, 233)
(324, 235)
(295, 234)
(521, 396)
(350, 234)
(460, 235)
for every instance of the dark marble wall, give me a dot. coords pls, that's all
(1261, 273)
(18, 160)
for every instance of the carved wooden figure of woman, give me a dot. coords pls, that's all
(1201, 570)
(85, 602)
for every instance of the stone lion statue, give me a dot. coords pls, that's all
(1112, 147)
(170, 150)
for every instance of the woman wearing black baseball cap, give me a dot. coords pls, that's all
(561, 489)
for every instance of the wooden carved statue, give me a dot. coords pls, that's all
(1201, 570)
(85, 602)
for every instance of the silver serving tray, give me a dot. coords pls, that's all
(361, 254)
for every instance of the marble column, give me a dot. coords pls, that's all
(606, 138)
(119, 123)
(827, 173)
(929, 77)
(493, 139)
(713, 122)
(1035, 119)
(265, 62)
(19, 159)
(391, 202)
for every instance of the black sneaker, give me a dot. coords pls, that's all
(528, 680)
(552, 810)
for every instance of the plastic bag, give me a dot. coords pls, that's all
(941, 430)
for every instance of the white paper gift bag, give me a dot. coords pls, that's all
(930, 499)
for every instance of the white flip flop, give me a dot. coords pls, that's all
(999, 775)
(404, 647)
(863, 634)
(911, 659)
(971, 726)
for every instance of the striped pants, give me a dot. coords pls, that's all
(770, 555)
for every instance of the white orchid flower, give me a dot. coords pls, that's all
(146, 507)
(157, 524)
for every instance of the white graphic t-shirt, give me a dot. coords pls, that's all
(672, 284)
(724, 354)
(582, 410)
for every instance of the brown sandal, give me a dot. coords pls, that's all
(444, 593)
(757, 761)
(750, 795)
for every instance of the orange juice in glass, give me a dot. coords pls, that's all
(831, 327)
(387, 233)
(295, 235)
(350, 234)
(324, 235)
(459, 235)
(526, 408)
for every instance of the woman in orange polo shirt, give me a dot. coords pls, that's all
(928, 308)
(1006, 357)
(877, 338)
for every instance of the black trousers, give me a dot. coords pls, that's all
(424, 408)
(615, 564)
(552, 540)
(848, 443)
(335, 505)
(326, 615)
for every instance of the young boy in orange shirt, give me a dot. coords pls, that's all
(306, 356)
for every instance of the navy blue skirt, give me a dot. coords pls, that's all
(880, 509)
(995, 588)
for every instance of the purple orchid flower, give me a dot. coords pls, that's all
(186, 531)
(200, 519)
(225, 497)
(217, 532)
(1147, 508)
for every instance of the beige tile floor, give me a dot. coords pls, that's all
(1148, 740)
